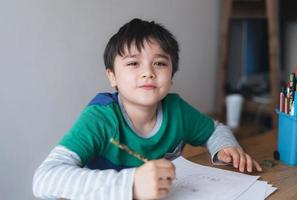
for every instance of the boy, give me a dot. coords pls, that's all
(141, 60)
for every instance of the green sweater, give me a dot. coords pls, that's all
(102, 119)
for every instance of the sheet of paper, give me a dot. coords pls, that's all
(257, 191)
(269, 190)
(196, 181)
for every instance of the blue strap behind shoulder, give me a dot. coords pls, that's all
(104, 99)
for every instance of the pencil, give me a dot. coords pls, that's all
(128, 150)
(133, 153)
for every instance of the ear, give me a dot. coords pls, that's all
(111, 76)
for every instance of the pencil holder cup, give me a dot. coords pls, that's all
(287, 138)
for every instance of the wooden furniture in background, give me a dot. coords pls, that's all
(250, 9)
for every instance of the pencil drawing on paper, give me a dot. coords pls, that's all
(187, 183)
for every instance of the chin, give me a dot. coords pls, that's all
(148, 101)
(144, 99)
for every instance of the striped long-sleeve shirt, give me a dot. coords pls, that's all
(61, 174)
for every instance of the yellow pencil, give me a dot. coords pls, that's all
(133, 153)
(128, 150)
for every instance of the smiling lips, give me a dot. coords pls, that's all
(148, 87)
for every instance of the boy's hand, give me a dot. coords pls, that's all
(239, 159)
(153, 179)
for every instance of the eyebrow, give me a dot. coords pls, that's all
(163, 56)
(130, 56)
(136, 55)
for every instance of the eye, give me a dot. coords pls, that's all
(160, 64)
(132, 64)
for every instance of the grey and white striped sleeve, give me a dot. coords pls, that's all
(61, 176)
(221, 138)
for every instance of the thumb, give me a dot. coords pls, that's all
(223, 156)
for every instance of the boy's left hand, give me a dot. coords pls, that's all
(239, 159)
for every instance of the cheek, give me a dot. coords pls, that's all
(126, 79)
(166, 79)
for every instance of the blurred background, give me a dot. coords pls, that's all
(51, 66)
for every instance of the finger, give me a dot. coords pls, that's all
(164, 183)
(222, 156)
(163, 163)
(242, 163)
(162, 193)
(258, 167)
(165, 173)
(249, 163)
(235, 157)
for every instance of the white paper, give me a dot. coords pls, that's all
(256, 192)
(196, 181)
(269, 190)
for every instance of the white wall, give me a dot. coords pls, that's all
(51, 66)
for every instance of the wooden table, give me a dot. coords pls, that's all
(261, 148)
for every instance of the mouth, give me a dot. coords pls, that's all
(148, 87)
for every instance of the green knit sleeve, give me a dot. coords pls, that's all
(89, 135)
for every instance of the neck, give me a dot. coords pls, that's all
(143, 118)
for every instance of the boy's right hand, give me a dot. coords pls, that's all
(153, 179)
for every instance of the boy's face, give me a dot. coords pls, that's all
(142, 78)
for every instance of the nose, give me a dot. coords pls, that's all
(148, 72)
